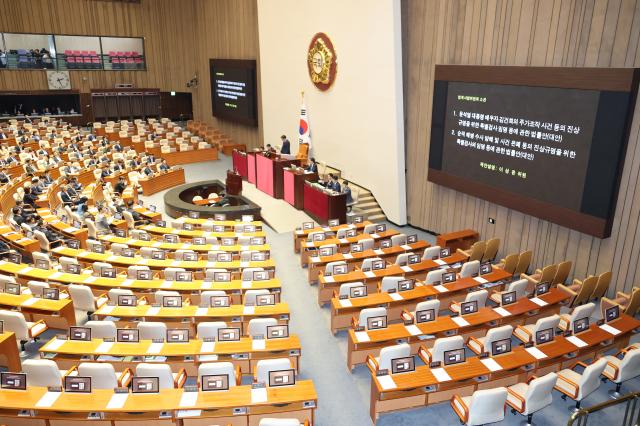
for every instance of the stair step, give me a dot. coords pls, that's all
(377, 218)
(366, 203)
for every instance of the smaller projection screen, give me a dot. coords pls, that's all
(233, 90)
(549, 142)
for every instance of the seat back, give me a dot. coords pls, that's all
(42, 372)
(548, 273)
(258, 326)
(345, 289)
(470, 268)
(604, 279)
(209, 329)
(342, 233)
(369, 229)
(491, 250)
(443, 344)
(160, 370)
(366, 263)
(487, 406)
(389, 283)
(132, 271)
(150, 330)
(170, 273)
(539, 393)
(264, 366)
(519, 286)
(630, 366)
(103, 375)
(477, 250)
(102, 329)
(329, 268)
(545, 323)
(585, 291)
(429, 304)
(14, 321)
(159, 295)
(590, 379)
(495, 334)
(392, 352)
(562, 272)
(369, 313)
(524, 260)
(579, 312)
(398, 240)
(113, 293)
(36, 287)
(82, 297)
(634, 303)
(310, 236)
(402, 259)
(217, 368)
(247, 273)
(367, 243)
(250, 296)
(479, 296)
(431, 252)
(434, 276)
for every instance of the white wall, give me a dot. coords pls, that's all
(357, 125)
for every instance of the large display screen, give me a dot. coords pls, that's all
(545, 141)
(233, 90)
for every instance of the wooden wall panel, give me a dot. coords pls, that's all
(225, 29)
(166, 26)
(573, 33)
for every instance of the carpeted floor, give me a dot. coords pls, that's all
(343, 397)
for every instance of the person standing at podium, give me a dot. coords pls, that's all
(286, 145)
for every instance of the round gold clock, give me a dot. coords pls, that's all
(322, 61)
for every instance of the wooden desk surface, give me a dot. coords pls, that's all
(443, 324)
(165, 400)
(420, 292)
(519, 357)
(192, 311)
(27, 272)
(347, 241)
(27, 301)
(161, 181)
(18, 240)
(152, 229)
(123, 261)
(131, 242)
(230, 224)
(395, 270)
(193, 347)
(355, 257)
(304, 233)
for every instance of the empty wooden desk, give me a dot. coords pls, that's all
(162, 181)
(323, 205)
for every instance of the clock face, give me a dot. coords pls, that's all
(58, 80)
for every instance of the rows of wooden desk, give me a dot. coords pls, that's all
(244, 353)
(161, 181)
(239, 406)
(423, 387)
(89, 258)
(99, 285)
(202, 248)
(301, 235)
(524, 311)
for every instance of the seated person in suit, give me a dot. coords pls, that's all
(147, 170)
(269, 149)
(164, 167)
(333, 183)
(120, 186)
(286, 145)
(312, 166)
(29, 198)
(38, 225)
(4, 177)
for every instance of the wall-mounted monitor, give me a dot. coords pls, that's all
(233, 90)
(549, 142)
